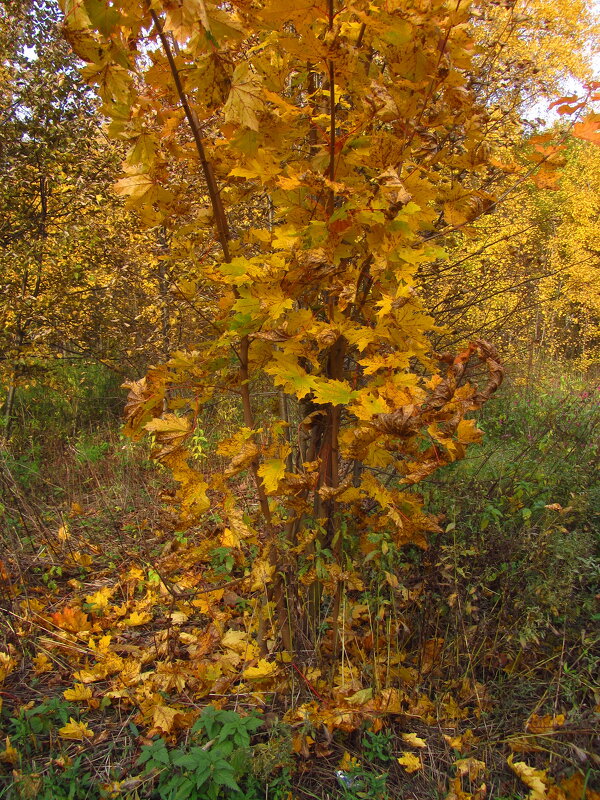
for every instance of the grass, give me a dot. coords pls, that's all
(499, 651)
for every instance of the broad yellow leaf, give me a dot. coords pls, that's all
(71, 619)
(7, 665)
(361, 697)
(544, 724)
(412, 738)
(235, 640)
(63, 533)
(137, 618)
(262, 571)
(470, 766)
(272, 470)
(164, 718)
(78, 731)
(333, 391)
(10, 754)
(78, 692)
(245, 98)
(264, 669)
(535, 779)
(136, 187)
(410, 762)
(99, 600)
(467, 432)
(41, 663)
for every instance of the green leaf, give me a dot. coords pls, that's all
(226, 779)
(103, 17)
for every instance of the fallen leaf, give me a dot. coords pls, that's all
(410, 762)
(41, 663)
(7, 665)
(535, 779)
(544, 724)
(412, 738)
(361, 697)
(100, 599)
(78, 692)
(10, 754)
(78, 731)
(164, 718)
(470, 767)
(264, 669)
(71, 619)
(137, 618)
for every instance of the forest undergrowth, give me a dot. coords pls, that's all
(128, 667)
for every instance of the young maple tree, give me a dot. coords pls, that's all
(308, 156)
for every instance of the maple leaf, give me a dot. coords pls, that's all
(139, 186)
(164, 718)
(78, 731)
(263, 669)
(290, 375)
(410, 761)
(7, 665)
(137, 618)
(78, 693)
(471, 767)
(100, 599)
(544, 724)
(10, 754)
(414, 740)
(272, 470)
(102, 16)
(42, 664)
(361, 697)
(71, 619)
(468, 432)
(589, 129)
(535, 779)
(245, 98)
(333, 391)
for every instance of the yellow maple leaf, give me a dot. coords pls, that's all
(470, 766)
(137, 186)
(41, 663)
(468, 432)
(82, 559)
(412, 738)
(361, 697)
(165, 717)
(262, 571)
(544, 724)
(272, 470)
(137, 618)
(535, 779)
(244, 98)
(78, 731)
(7, 665)
(235, 640)
(263, 669)
(100, 598)
(63, 533)
(71, 619)
(10, 754)
(78, 692)
(410, 762)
